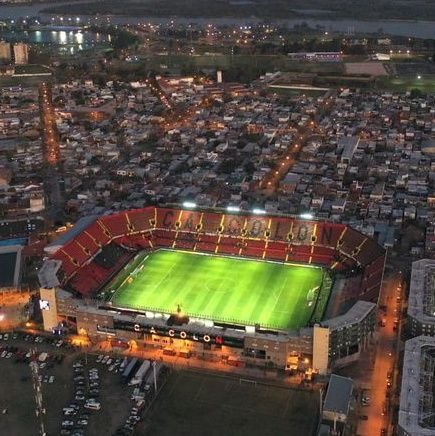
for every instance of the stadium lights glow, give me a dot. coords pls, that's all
(306, 216)
(258, 211)
(189, 204)
(233, 209)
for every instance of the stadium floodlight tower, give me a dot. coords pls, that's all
(37, 392)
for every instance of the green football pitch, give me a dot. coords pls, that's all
(227, 289)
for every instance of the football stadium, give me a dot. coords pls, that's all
(275, 290)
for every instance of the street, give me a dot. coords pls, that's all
(375, 368)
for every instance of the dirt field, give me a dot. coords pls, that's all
(196, 404)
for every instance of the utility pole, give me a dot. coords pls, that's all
(155, 377)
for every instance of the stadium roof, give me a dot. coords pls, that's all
(338, 395)
(47, 274)
(78, 228)
(354, 315)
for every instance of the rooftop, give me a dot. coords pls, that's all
(338, 394)
(413, 412)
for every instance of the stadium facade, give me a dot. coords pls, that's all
(98, 249)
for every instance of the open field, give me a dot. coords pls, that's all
(424, 83)
(195, 404)
(227, 289)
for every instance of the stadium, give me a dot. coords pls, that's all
(258, 287)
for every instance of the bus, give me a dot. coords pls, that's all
(140, 373)
(128, 371)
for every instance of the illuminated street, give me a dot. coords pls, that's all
(48, 122)
(384, 355)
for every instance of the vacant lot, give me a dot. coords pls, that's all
(195, 404)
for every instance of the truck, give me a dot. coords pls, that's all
(140, 373)
(128, 371)
(123, 363)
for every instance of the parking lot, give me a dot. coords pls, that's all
(83, 394)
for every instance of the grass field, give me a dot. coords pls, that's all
(192, 404)
(228, 289)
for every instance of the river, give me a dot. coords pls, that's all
(419, 29)
(55, 37)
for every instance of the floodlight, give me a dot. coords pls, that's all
(258, 211)
(306, 216)
(189, 204)
(233, 209)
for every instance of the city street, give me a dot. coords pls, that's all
(376, 366)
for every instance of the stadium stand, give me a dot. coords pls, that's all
(211, 222)
(351, 241)
(140, 219)
(328, 234)
(189, 221)
(87, 243)
(117, 224)
(68, 265)
(98, 233)
(76, 251)
(166, 218)
(94, 253)
(109, 255)
(253, 248)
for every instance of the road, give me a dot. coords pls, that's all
(382, 361)
(48, 123)
(284, 164)
(50, 137)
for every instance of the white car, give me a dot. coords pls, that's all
(51, 379)
(4, 354)
(92, 405)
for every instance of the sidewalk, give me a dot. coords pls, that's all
(215, 366)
